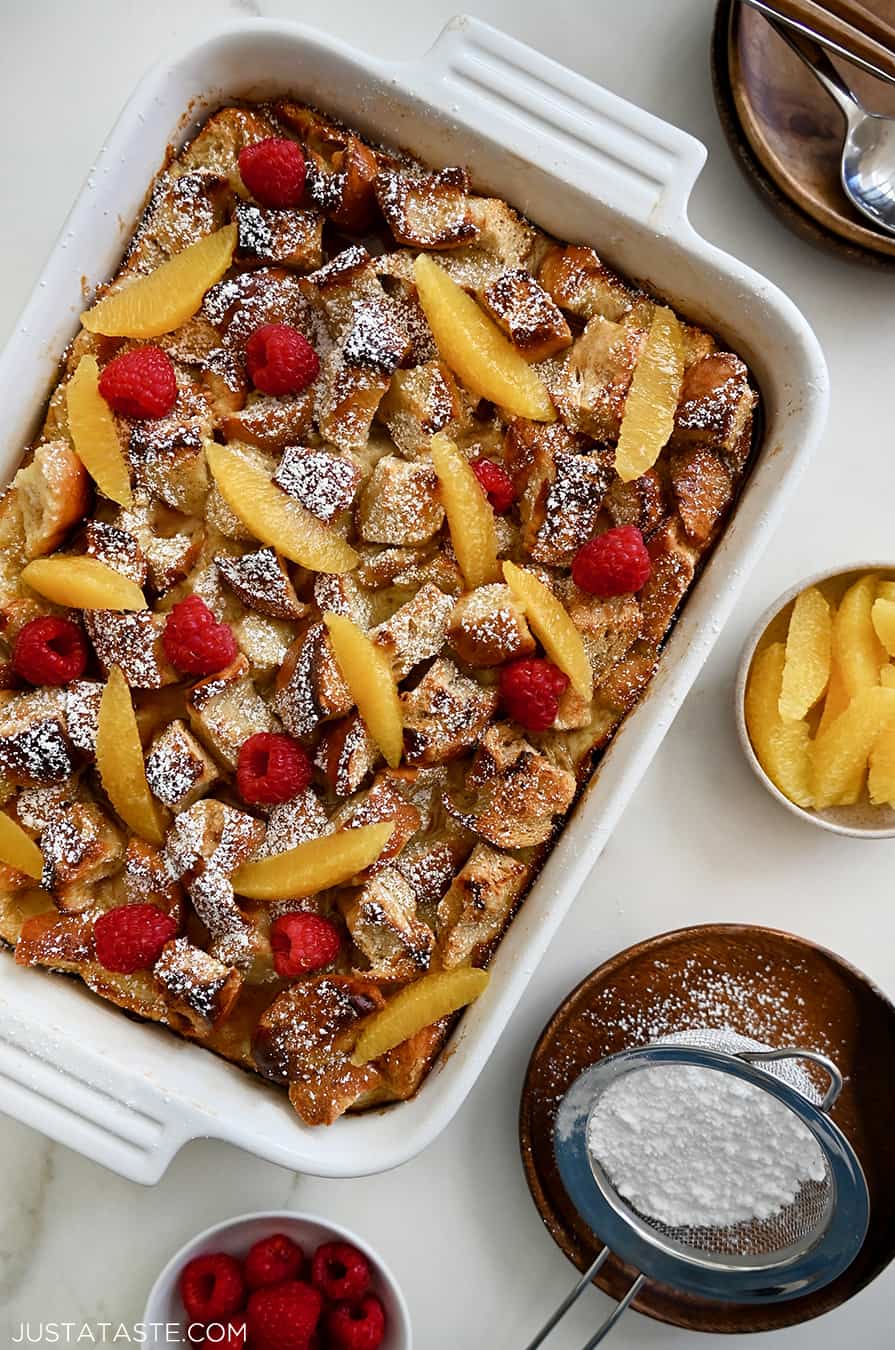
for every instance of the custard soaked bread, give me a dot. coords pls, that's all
(359, 517)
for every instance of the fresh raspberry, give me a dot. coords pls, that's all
(497, 484)
(284, 1316)
(50, 651)
(194, 642)
(356, 1326)
(340, 1271)
(615, 563)
(302, 942)
(273, 170)
(280, 359)
(272, 768)
(531, 691)
(212, 1287)
(131, 937)
(140, 383)
(273, 1260)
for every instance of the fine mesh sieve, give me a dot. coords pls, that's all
(796, 1250)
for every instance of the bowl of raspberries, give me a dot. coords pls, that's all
(278, 1281)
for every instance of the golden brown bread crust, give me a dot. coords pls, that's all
(477, 804)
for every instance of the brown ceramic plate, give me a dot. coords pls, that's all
(776, 987)
(787, 133)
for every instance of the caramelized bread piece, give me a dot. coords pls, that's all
(262, 582)
(387, 799)
(716, 405)
(477, 906)
(400, 503)
(305, 1039)
(226, 709)
(576, 279)
(420, 402)
(515, 794)
(53, 494)
(591, 387)
(383, 923)
(527, 314)
(34, 745)
(346, 755)
(309, 688)
(324, 481)
(178, 769)
(133, 642)
(445, 714)
(487, 627)
(285, 238)
(416, 631)
(200, 991)
(704, 490)
(79, 844)
(427, 211)
(271, 423)
(674, 567)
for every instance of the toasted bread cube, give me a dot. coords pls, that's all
(608, 627)
(264, 641)
(345, 281)
(502, 232)
(292, 238)
(79, 845)
(324, 481)
(592, 385)
(445, 714)
(34, 745)
(199, 989)
(488, 626)
(477, 906)
(295, 822)
(384, 927)
(182, 210)
(168, 460)
(261, 581)
(309, 688)
(580, 283)
(427, 211)
(387, 798)
(641, 502)
(400, 503)
(623, 683)
(82, 700)
(271, 423)
(170, 555)
(428, 864)
(148, 879)
(53, 494)
(415, 632)
(516, 793)
(527, 314)
(420, 402)
(704, 490)
(36, 806)
(178, 769)
(57, 941)
(204, 847)
(343, 185)
(347, 754)
(240, 304)
(116, 548)
(347, 399)
(376, 337)
(561, 502)
(305, 1038)
(133, 642)
(716, 405)
(674, 567)
(217, 146)
(226, 709)
(384, 567)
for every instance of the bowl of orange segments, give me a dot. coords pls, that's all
(815, 700)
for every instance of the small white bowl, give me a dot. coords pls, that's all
(236, 1236)
(863, 820)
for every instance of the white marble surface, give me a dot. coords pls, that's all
(79, 1244)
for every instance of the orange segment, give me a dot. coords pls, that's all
(856, 648)
(18, 849)
(436, 995)
(881, 778)
(94, 434)
(167, 297)
(882, 615)
(652, 400)
(475, 348)
(119, 759)
(274, 518)
(82, 582)
(367, 671)
(553, 628)
(806, 670)
(841, 754)
(782, 748)
(469, 514)
(313, 866)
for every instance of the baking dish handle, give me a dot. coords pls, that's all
(642, 165)
(90, 1105)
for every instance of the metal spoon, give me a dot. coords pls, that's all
(867, 166)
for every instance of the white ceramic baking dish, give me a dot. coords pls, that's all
(588, 167)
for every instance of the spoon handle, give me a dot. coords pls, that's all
(843, 27)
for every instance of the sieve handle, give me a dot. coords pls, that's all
(575, 1294)
(829, 1068)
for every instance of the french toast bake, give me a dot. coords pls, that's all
(357, 522)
